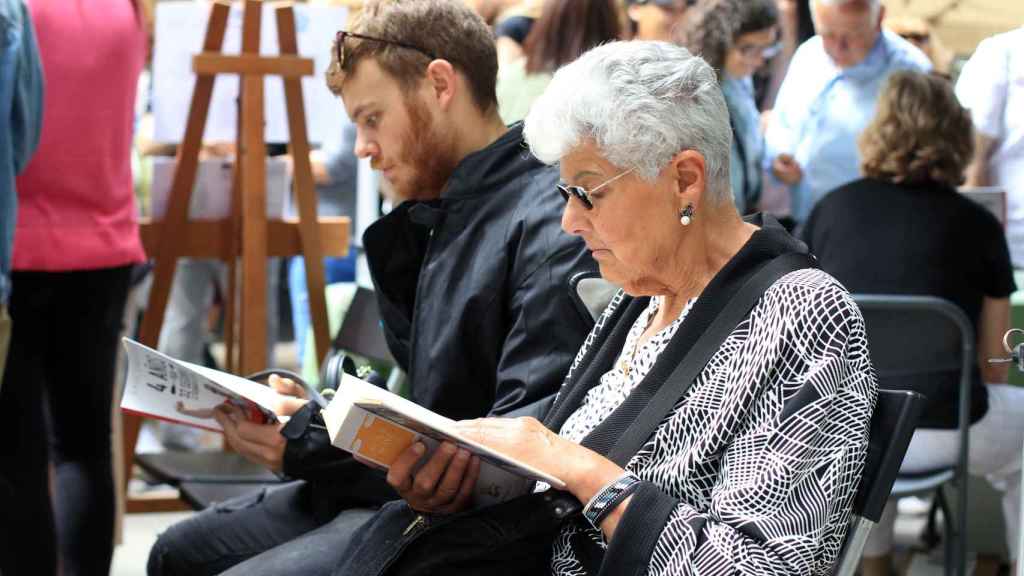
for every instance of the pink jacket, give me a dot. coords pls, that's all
(76, 207)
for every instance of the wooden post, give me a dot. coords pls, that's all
(252, 154)
(304, 192)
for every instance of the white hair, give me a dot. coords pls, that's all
(641, 103)
(873, 5)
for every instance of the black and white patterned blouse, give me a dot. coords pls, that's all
(761, 458)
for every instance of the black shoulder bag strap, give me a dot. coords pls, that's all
(648, 411)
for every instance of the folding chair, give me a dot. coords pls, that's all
(892, 425)
(914, 339)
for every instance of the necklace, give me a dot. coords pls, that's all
(626, 363)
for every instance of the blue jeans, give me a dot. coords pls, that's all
(335, 270)
(268, 532)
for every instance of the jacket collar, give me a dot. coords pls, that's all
(488, 169)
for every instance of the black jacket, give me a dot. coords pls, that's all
(474, 296)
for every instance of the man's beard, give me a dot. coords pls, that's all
(430, 153)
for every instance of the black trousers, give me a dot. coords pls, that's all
(55, 407)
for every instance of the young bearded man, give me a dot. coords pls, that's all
(472, 277)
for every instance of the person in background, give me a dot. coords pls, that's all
(736, 37)
(512, 26)
(904, 229)
(492, 11)
(918, 32)
(991, 86)
(829, 96)
(656, 19)
(771, 76)
(21, 115)
(74, 246)
(566, 29)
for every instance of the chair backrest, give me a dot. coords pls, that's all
(361, 331)
(591, 293)
(892, 425)
(916, 341)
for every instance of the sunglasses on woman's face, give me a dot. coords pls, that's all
(582, 194)
(339, 45)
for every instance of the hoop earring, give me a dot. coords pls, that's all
(686, 215)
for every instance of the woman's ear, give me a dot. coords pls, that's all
(442, 82)
(690, 170)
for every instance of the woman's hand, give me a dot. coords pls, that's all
(527, 440)
(443, 485)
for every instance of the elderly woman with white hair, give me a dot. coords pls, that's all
(755, 463)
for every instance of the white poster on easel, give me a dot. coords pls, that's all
(180, 28)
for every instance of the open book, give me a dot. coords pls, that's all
(377, 426)
(159, 386)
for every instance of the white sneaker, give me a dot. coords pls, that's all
(914, 505)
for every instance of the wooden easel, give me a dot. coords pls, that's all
(246, 235)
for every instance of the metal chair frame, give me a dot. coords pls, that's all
(955, 533)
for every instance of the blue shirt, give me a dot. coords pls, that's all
(822, 109)
(21, 117)
(747, 142)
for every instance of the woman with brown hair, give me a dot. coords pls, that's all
(904, 229)
(566, 29)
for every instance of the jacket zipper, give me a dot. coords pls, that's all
(419, 522)
(416, 306)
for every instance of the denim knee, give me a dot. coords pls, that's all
(157, 564)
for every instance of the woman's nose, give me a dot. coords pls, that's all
(574, 216)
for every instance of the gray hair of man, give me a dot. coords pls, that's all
(873, 5)
(641, 103)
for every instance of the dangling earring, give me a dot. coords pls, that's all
(686, 215)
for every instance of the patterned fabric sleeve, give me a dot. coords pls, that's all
(793, 450)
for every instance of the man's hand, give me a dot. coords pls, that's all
(295, 395)
(787, 169)
(443, 485)
(260, 443)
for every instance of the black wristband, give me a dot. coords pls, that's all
(608, 498)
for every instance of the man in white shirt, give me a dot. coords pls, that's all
(829, 96)
(991, 85)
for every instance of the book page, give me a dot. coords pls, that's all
(159, 386)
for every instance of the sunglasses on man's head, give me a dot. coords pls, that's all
(339, 45)
(582, 194)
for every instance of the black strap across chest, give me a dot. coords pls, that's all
(713, 317)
